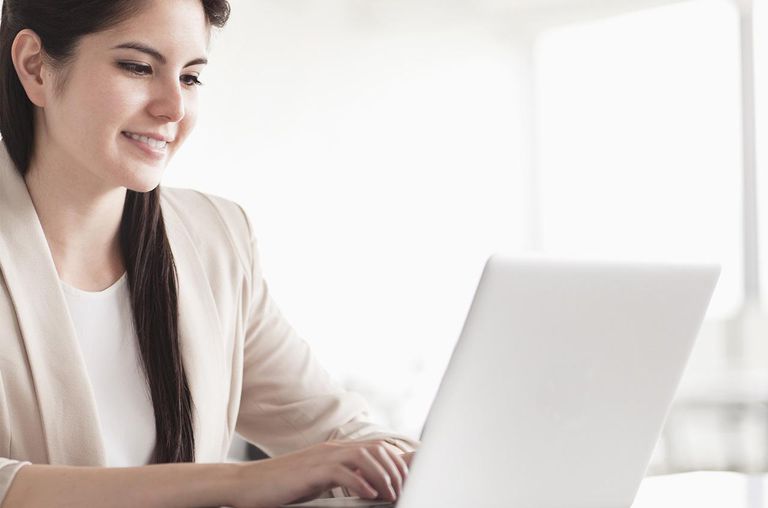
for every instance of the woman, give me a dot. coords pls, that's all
(136, 326)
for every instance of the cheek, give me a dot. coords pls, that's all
(187, 124)
(117, 103)
(104, 107)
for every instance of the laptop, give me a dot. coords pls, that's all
(558, 387)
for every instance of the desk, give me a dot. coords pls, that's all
(703, 490)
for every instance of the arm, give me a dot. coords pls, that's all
(262, 484)
(162, 485)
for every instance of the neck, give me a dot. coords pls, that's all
(81, 222)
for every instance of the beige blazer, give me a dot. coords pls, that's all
(247, 369)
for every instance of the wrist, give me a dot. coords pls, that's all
(230, 480)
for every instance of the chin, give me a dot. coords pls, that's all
(141, 181)
(144, 190)
(142, 187)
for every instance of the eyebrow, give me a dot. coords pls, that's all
(155, 53)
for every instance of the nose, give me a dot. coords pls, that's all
(168, 101)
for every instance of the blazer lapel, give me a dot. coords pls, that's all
(64, 394)
(200, 336)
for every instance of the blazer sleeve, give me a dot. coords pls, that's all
(8, 470)
(288, 400)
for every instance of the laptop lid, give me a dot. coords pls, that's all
(559, 385)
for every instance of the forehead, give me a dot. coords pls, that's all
(176, 28)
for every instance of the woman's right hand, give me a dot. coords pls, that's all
(369, 469)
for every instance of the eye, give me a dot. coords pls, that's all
(190, 80)
(136, 68)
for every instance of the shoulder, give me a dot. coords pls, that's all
(215, 224)
(203, 207)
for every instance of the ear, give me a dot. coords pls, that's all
(27, 55)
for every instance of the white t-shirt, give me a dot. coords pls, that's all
(108, 342)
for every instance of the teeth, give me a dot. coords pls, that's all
(157, 145)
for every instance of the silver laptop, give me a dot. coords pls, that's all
(558, 386)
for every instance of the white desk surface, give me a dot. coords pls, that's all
(689, 490)
(703, 490)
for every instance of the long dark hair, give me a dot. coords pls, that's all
(143, 241)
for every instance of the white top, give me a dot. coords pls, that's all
(108, 342)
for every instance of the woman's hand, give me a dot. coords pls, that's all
(369, 469)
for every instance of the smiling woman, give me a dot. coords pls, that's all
(137, 326)
(108, 97)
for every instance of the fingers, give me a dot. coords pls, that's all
(395, 465)
(396, 457)
(396, 475)
(381, 466)
(371, 469)
(344, 477)
(402, 460)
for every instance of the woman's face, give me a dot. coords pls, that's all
(128, 99)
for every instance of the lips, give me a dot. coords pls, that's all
(156, 144)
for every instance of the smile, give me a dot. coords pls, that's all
(153, 143)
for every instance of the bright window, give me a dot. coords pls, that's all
(639, 139)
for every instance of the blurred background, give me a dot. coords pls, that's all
(385, 148)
